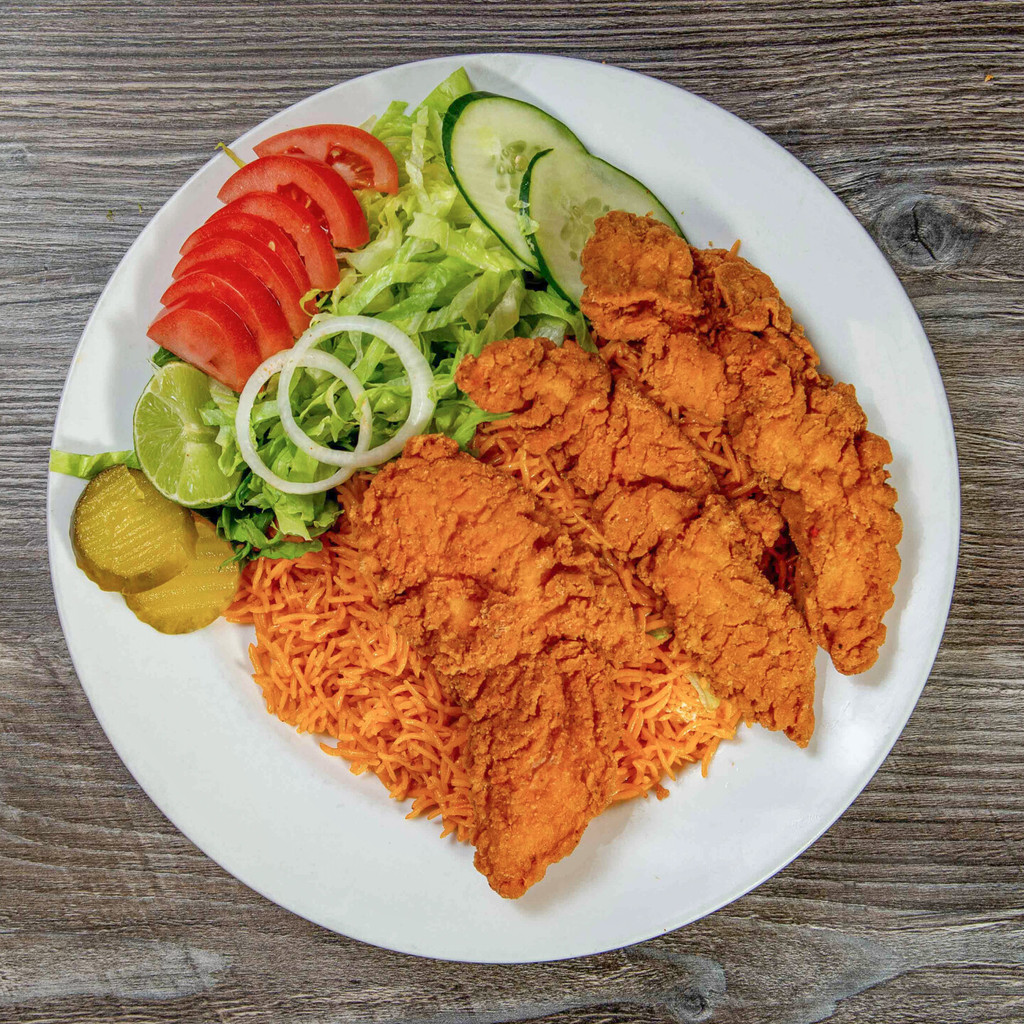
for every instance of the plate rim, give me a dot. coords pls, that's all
(894, 728)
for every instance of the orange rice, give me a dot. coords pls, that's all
(329, 663)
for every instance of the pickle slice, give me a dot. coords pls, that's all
(126, 535)
(198, 595)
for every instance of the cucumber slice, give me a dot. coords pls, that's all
(561, 196)
(489, 142)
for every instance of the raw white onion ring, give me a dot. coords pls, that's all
(421, 380)
(259, 377)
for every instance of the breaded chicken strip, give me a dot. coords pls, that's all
(483, 580)
(719, 343)
(560, 397)
(749, 635)
(653, 498)
(541, 759)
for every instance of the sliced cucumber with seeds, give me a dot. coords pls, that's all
(489, 142)
(561, 195)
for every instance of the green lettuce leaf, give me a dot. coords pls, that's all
(87, 466)
(248, 533)
(455, 85)
(162, 357)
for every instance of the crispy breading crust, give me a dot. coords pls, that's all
(483, 580)
(717, 341)
(653, 498)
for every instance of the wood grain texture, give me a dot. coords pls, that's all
(911, 907)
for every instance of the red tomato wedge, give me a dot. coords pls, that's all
(324, 186)
(362, 160)
(262, 263)
(243, 293)
(258, 231)
(203, 331)
(296, 221)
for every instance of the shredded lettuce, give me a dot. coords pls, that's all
(703, 688)
(433, 269)
(162, 357)
(247, 531)
(88, 466)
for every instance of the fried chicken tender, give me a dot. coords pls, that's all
(615, 446)
(482, 579)
(718, 343)
(559, 398)
(653, 498)
(750, 636)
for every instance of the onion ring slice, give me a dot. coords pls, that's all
(259, 377)
(421, 380)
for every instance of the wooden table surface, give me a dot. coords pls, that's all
(911, 907)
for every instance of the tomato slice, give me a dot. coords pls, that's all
(258, 231)
(263, 263)
(302, 226)
(324, 186)
(203, 331)
(243, 293)
(362, 160)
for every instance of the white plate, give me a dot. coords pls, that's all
(266, 804)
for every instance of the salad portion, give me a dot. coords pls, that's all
(315, 322)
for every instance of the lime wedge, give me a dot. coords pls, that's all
(177, 451)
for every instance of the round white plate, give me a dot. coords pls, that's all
(294, 824)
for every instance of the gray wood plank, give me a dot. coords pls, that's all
(911, 907)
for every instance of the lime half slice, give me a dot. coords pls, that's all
(177, 451)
